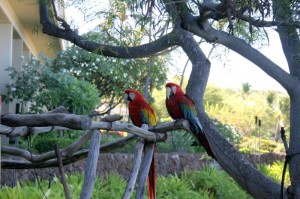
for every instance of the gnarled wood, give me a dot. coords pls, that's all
(78, 122)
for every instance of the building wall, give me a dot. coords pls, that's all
(6, 51)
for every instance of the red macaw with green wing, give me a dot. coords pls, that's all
(181, 106)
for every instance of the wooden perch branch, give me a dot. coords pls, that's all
(105, 125)
(148, 154)
(14, 164)
(69, 153)
(162, 127)
(78, 122)
(26, 131)
(91, 166)
(62, 172)
(135, 170)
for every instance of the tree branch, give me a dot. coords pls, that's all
(241, 47)
(107, 50)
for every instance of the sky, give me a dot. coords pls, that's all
(229, 72)
(233, 69)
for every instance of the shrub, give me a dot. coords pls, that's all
(259, 145)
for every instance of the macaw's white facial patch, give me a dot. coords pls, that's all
(126, 96)
(168, 92)
(174, 89)
(132, 96)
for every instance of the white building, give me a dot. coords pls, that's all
(18, 20)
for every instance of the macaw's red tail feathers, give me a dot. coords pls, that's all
(151, 181)
(204, 142)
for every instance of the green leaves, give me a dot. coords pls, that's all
(205, 184)
(38, 84)
(110, 75)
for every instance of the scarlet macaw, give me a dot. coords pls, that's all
(140, 112)
(181, 106)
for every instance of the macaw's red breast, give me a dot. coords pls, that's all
(140, 111)
(174, 109)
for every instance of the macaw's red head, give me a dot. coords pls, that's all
(133, 95)
(173, 90)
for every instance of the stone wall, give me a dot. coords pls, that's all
(167, 163)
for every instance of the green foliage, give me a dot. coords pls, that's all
(128, 148)
(20, 192)
(178, 141)
(60, 88)
(240, 108)
(260, 145)
(206, 184)
(213, 95)
(111, 75)
(218, 183)
(228, 131)
(25, 84)
(47, 89)
(46, 142)
(172, 187)
(274, 172)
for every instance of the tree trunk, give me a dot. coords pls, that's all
(236, 165)
(294, 150)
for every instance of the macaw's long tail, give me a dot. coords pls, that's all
(151, 181)
(198, 132)
(204, 142)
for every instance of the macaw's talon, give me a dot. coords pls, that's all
(164, 138)
(177, 122)
(154, 127)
